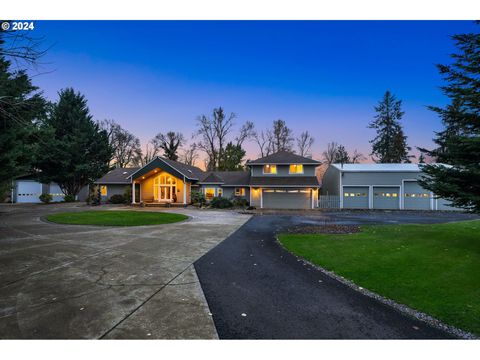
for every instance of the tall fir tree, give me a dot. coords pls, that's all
(75, 151)
(21, 107)
(390, 143)
(459, 142)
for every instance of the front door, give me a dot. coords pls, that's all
(164, 187)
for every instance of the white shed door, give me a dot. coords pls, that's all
(56, 192)
(28, 191)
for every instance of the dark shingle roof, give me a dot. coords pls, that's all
(188, 170)
(227, 178)
(283, 157)
(300, 181)
(117, 176)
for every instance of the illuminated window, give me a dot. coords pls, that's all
(296, 169)
(346, 194)
(394, 194)
(103, 190)
(269, 169)
(220, 192)
(239, 191)
(209, 193)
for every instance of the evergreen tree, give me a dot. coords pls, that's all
(459, 143)
(232, 158)
(421, 159)
(390, 143)
(74, 150)
(21, 107)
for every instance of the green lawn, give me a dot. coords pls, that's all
(116, 218)
(431, 268)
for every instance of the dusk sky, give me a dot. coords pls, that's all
(321, 76)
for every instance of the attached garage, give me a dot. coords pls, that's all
(28, 191)
(386, 197)
(415, 197)
(355, 197)
(287, 198)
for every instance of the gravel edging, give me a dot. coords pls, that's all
(404, 309)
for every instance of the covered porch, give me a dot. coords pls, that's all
(157, 185)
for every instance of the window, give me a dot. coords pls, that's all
(295, 169)
(269, 169)
(209, 193)
(239, 191)
(219, 192)
(103, 190)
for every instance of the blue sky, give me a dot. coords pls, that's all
(321, 76)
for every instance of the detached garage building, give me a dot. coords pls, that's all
(380, 186)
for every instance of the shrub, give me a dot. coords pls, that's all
(240, 202)
(46, 198)
(251, 208)
(93, 199)
(198, 198)
(69, 198)
(221, 203)
(117, 199)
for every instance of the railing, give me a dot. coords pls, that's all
(329, 202)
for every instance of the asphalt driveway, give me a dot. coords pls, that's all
(257, 290)
(72, 281)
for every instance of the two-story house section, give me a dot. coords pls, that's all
(283, 180)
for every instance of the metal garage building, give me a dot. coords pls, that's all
(380, 186)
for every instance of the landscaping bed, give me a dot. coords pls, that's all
(431, 268)
(116, 218)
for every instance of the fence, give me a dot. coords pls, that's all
(329, 202)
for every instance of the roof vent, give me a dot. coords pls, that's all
(190, 171)
(125, 172)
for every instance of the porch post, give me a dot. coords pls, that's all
(184, 191)
(133, 192)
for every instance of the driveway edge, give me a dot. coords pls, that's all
(404, 309)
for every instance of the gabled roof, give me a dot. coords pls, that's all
(117, 176)
(178, 168)
(290, 181)
(378, 167)
(283, 157)
(227, 178)
(211, 178)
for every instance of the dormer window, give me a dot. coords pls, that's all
(296, 169)
(269, 169)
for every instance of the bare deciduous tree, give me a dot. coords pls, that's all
(169, 143)
(126, 146)
(150, 153)
(190, 155)
(213, 133)
(263, 143)
(357, 157)
(304, 143)
(329, 155)
(280, 137)
(246, 132)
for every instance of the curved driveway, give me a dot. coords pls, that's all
(257, 290)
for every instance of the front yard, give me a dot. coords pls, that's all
(116, 218)
(431, 268)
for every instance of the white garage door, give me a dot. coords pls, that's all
(56, 192)
(287, 199)
(28, 191)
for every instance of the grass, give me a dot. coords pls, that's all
(116, 218)
(431, 268)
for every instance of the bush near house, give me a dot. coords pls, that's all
(127, 195)
(117, 199)
(221, 203)
(198, 198)
(240, 202)
(69, 198)
(46, 198)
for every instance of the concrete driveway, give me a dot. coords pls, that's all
(258, 290)
(71, 281)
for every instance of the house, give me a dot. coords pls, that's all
(281, 180)
(380, 186)
(27, 189)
